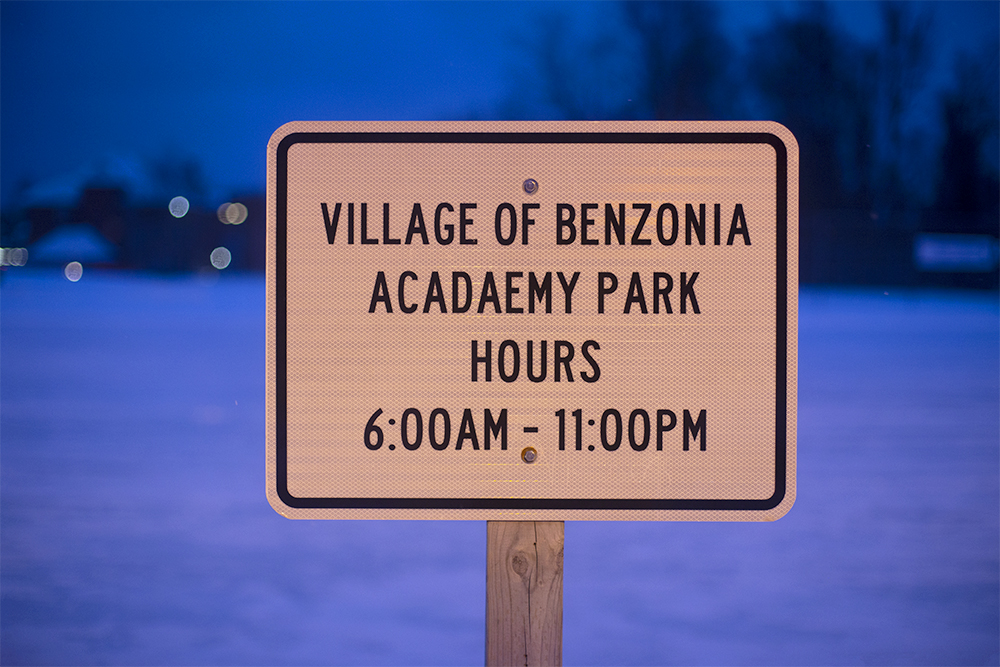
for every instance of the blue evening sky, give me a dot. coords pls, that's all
(82, 81)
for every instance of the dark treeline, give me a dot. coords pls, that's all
(886, 158)
(895, 160)
(115, 214)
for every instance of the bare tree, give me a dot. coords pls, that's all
(812, 77)
(968, 192)
(632, 60)
(684, 60)
(902, 59)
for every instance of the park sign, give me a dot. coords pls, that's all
(532, 321)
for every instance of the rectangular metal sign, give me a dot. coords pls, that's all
(532, 320)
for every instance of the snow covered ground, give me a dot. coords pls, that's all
(134, 528)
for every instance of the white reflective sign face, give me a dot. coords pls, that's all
(532, 321)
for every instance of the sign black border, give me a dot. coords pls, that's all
(281, 319)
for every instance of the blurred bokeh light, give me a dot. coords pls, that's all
(221, 257)
(232, 213)
(73, 271)
(179, 207)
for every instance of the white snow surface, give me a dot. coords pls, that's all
(134, 528)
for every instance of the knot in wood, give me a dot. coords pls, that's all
(519, 562)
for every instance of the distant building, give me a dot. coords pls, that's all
(115, 214)
(79, 242)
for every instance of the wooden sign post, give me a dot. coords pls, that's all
(524, 576)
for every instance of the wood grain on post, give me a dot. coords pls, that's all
(524, 575)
